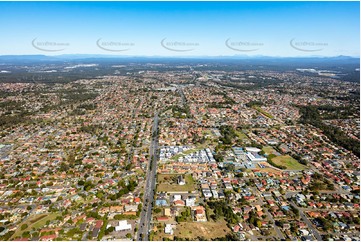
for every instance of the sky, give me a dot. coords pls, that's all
(281, 29)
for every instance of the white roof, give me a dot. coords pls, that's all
(168, 229)
(252, 149)
(123, 225)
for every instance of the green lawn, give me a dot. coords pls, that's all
(241, 135)
(39, 223)
(259, 109)
(289, 162)
(166, 184)
(268, 150)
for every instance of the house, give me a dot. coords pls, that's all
(179, 203)
(98, 224)
(95, 232)
(215, 194)
(207, 193)
(83, 226)
(342, 225)
(220, 194)
(162, 219)
(168, 229)
(301, 225)
(181, 181)
(116, 209)
(258, 208)
(236, 228)
(174, 211)
(304, 232)
(199, 214)
(190, 201)
(177, 197)
(130, 208)
(286, 226)
(48, 237)
(137, 200)
(167, 212)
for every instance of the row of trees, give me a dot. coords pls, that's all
(311, 115)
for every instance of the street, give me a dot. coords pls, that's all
(308, 222)
(146, 214)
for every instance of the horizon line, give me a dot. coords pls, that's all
(177, 56)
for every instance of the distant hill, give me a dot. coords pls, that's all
(234, 57)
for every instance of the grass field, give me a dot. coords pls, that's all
(159, 235)
(269, 150)
(241, 135)
(289, 162)
(166, 184)
(208, 230)
(35, 222)
(259, 109)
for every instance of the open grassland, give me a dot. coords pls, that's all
(269, 150)
(242, 136)
(208, 230)
(289, 162)
(34, 222)
(168, 183)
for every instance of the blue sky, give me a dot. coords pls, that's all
(186, 28)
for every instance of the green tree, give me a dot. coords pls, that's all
(24, 226)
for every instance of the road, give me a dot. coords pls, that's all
(278, 231)
(308, 222)
(269, 215)
(315, 232)
(181, 93)
(146, 214)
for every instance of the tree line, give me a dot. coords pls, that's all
(311, 115)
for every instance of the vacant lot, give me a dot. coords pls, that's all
(269, 150)
(289, 162)
(35, 222)
(268, 168)
(208, 230)
(168, 183)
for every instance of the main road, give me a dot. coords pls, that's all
(149, 189)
